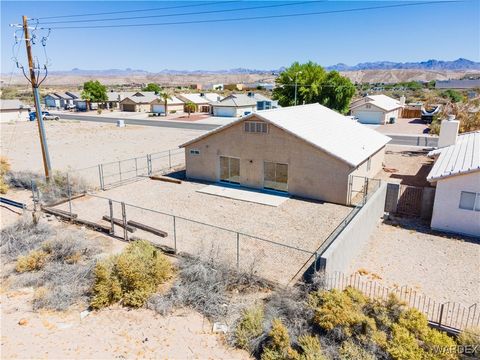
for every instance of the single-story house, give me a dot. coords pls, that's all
(13, 110)
(59, 100)
(376, 109)
(174, 104)
(308, 151)
(234, 105)
(456, 174)
(263, 102)
(138, 102)
(201, 100)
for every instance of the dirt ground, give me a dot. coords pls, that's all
(446, 268)
(79, 144)
(297, 223)
(114, 332)
(406, 165)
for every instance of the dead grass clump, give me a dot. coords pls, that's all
(69, 248)
(249, 327)
(22, 237)
(206, 286)
(4, 169)
(33, 261)
(131, 277)
(57, 188)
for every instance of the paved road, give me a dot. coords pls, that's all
(397, 139)
(159, 123)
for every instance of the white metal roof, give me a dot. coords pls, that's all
(381, 101)
(461, 158)
(323, 128)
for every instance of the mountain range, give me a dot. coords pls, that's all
(455, 65)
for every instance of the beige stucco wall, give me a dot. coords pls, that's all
(447, 215)
(385, 117)
(312, 173)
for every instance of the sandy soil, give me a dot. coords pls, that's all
(78, 145)
(112, 333)
(442, 267)
(406, 165)
(297, 223)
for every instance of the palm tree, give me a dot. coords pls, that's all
(165, 96)
(190, 107)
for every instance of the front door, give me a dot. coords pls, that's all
(275, 176)
(230, 170)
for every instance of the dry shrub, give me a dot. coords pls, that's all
(206, 286)
(249, 327)
(470, 337)
(131, 277)
(35, 260)
(352, 351)
(22, 237)
(4, 169)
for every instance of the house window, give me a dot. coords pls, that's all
(256, 127)
(368, 106)
(469, 201)
(195, 152)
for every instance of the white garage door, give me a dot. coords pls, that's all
(369, 117)
(224, 111)
(158, 108)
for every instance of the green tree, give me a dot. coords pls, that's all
(314, 84)
(190, 107)
(153, 87)
(454, 95)
(94, 91)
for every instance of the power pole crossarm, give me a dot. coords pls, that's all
(36, 98)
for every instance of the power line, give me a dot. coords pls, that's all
(256, 17)
(188, 13)
(138, 10)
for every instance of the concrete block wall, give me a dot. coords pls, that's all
(352, 239)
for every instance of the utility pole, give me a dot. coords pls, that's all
(36, 98)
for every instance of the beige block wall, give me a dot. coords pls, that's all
(312, 173)
(447, 215)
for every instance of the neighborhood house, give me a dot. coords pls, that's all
(234, 105)
(308, 151)
(174, 105)
(456, 174)
(138, 102)
(202, 101)
(376, 109)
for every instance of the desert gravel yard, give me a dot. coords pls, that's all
(446, 268)
(297, 223)
(79, 144)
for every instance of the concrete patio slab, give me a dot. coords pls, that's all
(244, 194)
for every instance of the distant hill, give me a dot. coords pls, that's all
(459, 64)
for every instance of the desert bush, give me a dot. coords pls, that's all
(249, 327)
(131, 277)
(22, 237)
(403, 345)
(56, 189)
(69, 247)
(352, 351)
(4, 169)
(310, 348)
(35, 260)
(206, 286)
(470, 337)
(278, 346)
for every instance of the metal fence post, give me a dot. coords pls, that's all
(316, 262)
(136, 168)
(120, 170)
(174, 235)
(100, 176)
(124, 218)
(441, 315)
(169, 159)
(149, 164)
(238, 250)
(112, 223)
(69, 194)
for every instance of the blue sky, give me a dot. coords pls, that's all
(442, 31)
